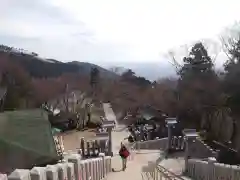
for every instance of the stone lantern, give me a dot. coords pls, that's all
(190, 136)
(109, 125)
(170, 123)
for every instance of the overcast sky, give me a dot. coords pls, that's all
(111, 31)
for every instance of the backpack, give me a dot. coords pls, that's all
(125, 153)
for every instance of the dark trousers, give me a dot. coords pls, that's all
(124, 163)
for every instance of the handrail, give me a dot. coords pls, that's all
(158, 175)
(175, 176)
(160, 172)
(132, 149)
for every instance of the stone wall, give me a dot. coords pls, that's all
(74, 168)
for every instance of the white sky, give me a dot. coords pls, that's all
(104, 31)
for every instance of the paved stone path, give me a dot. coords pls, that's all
(138, 161)
(134, 165)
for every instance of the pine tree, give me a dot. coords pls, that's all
(196, 85)
(232, 75)
(197, 64)
(94, 77)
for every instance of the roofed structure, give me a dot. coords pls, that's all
(26, 140)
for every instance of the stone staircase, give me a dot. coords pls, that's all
(140, 157)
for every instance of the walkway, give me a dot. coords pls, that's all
(134, 166)
(139, 160)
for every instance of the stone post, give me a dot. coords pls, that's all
(88, 169)
(52, 172)
(110, 152)
(84, 173)
(186, 154)
(75, 159)
(211, 161)
(108, 164)
(97, 147)
(141, 132)
(38, 173)
(88, 149)
(169, 136)
(102, 164)
(62, 171)
(70, 171)
(102, 139)
(109, 125)
(82, 146)
(170, 122)
(3, 177)
(95, 173)
(99, 168)
(190, 136)
(20, 174)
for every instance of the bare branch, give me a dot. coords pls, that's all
(173, 61)
(213, 48)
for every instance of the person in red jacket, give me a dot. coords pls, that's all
(124, 153)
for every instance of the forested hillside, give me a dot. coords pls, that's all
(39, 67)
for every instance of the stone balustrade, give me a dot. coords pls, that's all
(152, 144)
(73, 168)
(211, 170)
(200, 150)
(92, 148)
(177, 143)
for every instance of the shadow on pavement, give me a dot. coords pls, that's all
(115, 170)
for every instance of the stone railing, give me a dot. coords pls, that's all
(132, 148)
(211, 170)
(74, 168)
(209, 151)
(154, 171)
(177, 143)
(156, 144)
(92, 148)
(198, 149)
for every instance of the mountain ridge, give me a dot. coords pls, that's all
(47, 68)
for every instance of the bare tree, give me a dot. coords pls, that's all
(117, 70)
(213, 47)
(229, 39)
(173, 61)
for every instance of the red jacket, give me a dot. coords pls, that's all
(123, 152)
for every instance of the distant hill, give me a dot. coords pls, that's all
(85, 68)
(47, 68)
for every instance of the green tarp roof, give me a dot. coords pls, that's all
(25, 140)
(56, 131)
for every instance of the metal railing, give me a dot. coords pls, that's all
(160, 173)
(132, 148)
